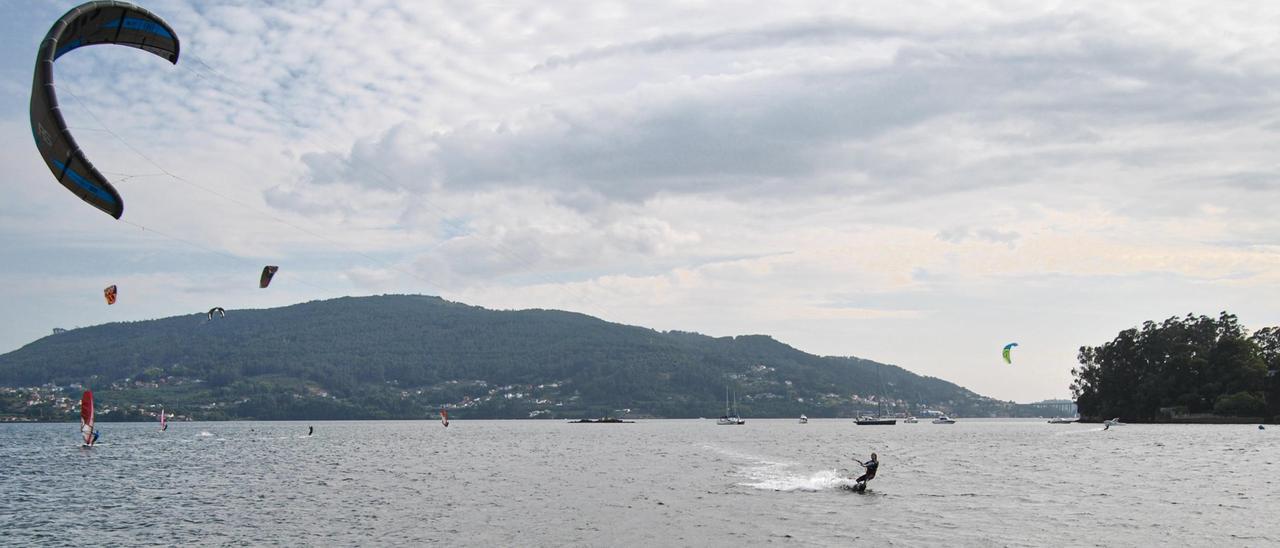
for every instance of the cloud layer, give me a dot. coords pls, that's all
(916, 184)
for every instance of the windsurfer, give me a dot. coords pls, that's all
(310, 430)
(95, 438)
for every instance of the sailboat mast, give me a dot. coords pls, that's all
(880, 400)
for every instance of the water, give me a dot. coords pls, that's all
(524, 483)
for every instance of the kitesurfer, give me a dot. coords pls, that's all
(871, 466)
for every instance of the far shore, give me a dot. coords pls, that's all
(1176, 420)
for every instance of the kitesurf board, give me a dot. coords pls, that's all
(855, 488)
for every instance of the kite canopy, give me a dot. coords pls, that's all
(217, 310)
(110, 294)
(267, 273)
(1007, 348)
(89, 24)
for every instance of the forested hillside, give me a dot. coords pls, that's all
(403, 356)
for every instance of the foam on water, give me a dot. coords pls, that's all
(775, 475)
(775, 479)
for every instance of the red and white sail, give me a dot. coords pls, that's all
(444, 417)
(164, 421)
(86, 417)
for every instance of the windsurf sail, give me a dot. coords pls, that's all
(164, 421)
(86, 417)
(444, 417)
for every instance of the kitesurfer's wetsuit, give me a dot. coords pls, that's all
(871, 466)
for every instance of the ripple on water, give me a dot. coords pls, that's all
(655, 482)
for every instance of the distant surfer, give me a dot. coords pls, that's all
(871, 466)
(310, 430)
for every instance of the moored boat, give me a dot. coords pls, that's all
(730, 417)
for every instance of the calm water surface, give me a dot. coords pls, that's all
(523, 483)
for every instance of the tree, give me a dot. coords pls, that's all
(1198, 362)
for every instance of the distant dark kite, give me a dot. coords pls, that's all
(267, 273)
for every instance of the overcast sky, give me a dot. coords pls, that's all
(914, 183)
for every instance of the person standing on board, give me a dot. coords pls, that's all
(310, 430)
(871, 466)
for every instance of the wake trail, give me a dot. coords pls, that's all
(773, 475)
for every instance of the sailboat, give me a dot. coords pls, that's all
(730, 418)
(879, 419)
(86, 418)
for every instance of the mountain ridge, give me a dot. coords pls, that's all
(406, 356)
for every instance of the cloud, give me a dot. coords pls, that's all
(846, 177)
(987, 110)
(816, 32)
(957, 235)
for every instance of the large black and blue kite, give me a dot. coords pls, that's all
(89, 24)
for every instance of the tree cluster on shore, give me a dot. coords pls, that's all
(1181, 367)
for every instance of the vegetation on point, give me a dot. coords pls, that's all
(1181, 367)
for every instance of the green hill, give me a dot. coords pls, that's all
(405, 356)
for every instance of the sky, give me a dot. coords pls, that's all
(913, 183)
